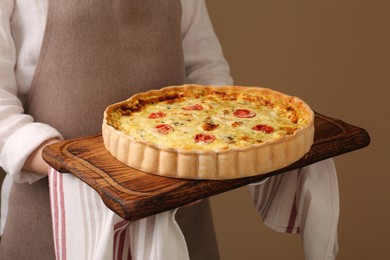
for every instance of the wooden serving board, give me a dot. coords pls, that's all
(133, 194)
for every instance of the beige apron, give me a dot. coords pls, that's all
(95, 53)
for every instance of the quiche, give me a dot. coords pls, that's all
(208, 132)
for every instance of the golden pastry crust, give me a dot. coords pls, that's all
(206, 132)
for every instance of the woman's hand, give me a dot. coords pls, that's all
(35, 162)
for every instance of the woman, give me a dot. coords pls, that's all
(61, 64)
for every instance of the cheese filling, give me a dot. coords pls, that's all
(210, 122)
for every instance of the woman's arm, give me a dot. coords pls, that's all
(20, 136)
(203, 56)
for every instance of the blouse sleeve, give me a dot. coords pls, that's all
(203, 56)
(19, 134)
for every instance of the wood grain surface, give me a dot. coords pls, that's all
(133, 194)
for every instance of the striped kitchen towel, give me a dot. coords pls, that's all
(84, 228)
(304, 201)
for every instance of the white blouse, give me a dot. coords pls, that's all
(22, 25)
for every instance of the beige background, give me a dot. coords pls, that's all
(335, 55)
